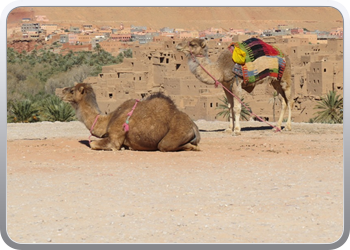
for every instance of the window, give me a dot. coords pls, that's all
(110, 95)
(324, 70)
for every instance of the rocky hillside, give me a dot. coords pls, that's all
(312, 18)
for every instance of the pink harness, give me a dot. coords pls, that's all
(126, 124)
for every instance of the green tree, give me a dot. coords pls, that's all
(23, 111)
(225, 112)
(127, 53)
(57, 110)
(98, 48)
(330, 109)
(42, 71)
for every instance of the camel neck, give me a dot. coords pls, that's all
(88, 117)
(200, 59)
(204, 70)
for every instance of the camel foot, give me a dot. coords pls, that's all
(236, 133)
(194, 148)
(228, 130)
(276, 129)
(102, 145)
(288, 127)
(190, 147)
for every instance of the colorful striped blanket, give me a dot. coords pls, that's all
(262, 60)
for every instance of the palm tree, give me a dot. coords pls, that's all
(98, 48)
(57, 110)
(330, 109)
(245, 111)
(23, 111)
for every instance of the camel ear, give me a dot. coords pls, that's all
(81, 89)
(204, 43)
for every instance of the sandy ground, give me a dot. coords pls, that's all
(262, 186)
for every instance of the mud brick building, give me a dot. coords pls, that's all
(157, 66)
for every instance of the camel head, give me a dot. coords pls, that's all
(80, 92)
(198, 47)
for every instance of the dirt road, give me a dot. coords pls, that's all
(258, 187)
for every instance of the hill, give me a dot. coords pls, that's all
(196, 18)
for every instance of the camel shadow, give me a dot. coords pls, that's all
(258, 128)
(85, 142)
(211, 130)
(242, 129)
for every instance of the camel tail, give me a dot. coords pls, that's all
(197, 136)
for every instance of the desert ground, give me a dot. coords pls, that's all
(260, 187)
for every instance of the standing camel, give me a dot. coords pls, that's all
(206, 71)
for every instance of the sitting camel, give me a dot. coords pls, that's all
(206, 71)
(154, 123)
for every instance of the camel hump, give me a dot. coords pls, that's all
(255, 48)
(160, 95)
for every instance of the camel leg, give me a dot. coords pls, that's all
(103, 144)
(231, 113)
(188, 147)
(237, 111)
(237, 107)
(280, 120)
(288, 94)
(108, 143)
(176, 140)
(284, 90)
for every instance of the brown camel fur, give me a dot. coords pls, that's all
(155, 124)
(222, 71)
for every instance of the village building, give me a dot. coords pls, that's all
(316, 59)
(120, 37)
(159, 67)
(30, 27)
(49, 28)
